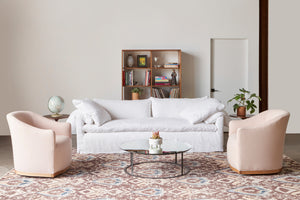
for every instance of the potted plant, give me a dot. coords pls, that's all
(155, 143)
(135, 92)
(245, 101)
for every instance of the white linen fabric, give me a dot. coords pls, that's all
(149, 125)
(132, 120)
(199, 111)
(213, 118)
(93, 113)
(72, 120)
(126, 109)
(172, 107)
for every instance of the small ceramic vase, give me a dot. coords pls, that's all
(130, 61)
(155, 146)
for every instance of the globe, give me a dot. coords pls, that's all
(56, 104)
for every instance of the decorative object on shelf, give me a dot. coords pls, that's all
(173, 80)
(155, 143)
(245, 101)
(142, 60)
(156, 65)
(135, 92)
(56, 105)
(130, 60)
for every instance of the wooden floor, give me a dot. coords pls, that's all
(292, 149)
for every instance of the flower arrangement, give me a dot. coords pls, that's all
(155, 135)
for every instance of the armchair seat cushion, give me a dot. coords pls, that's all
(148, 125)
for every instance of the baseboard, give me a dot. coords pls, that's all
(4, 132)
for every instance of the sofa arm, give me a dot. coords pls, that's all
(79, 123)
(220, 125)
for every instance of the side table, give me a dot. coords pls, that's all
(58, 117)
(238, 117)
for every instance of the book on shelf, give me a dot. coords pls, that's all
(159, 78)
(129, 77)
(159, 93)
(171, 65)
(123, 78)
(174, 93)
(167, 83)
(147, 77)
(162, 81)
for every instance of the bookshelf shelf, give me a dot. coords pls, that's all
(132, 86)
(145, 77)
(130, 68)
(165, 86)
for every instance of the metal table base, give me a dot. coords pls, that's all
(184, 170)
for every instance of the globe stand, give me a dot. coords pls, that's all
(56, 115)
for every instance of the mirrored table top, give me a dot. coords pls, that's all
(168, 147)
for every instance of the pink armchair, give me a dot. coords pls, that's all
(41, 147)
(255, 145)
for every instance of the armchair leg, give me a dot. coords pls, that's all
(274, 171)
(41, 175)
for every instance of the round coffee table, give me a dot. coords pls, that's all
(168, 147)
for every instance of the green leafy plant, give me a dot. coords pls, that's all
(137, 90)
(245, 98)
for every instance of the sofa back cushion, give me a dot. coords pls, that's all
(125, 109)
(172, 107)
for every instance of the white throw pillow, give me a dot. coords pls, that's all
(213, 118)
(126, 109)
(92, 112)
(172, 107)
(200, 111)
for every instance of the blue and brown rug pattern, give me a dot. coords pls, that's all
(102, 176)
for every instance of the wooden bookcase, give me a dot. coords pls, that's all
(164, 57)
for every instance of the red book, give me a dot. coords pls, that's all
(162, 83)
(123, 78)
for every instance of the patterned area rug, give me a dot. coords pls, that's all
(102, 176)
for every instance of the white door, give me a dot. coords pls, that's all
(229, 69)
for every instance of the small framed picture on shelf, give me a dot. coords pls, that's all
(142, 60)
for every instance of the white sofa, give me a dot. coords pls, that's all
(198, 122)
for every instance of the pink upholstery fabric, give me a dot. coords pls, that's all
(256, 144)
(40, 145)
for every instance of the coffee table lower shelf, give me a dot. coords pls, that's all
(129, 169)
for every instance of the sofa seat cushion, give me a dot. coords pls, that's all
(149, 124)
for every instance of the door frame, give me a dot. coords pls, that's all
(263, 53)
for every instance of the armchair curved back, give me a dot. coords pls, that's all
(34, 143)
(256, 145)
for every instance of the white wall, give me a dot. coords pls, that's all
(73, 48)
(284, 69)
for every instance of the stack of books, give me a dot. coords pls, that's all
(128, 77)
(161, 80)
(159, 93)
(147, 77)
(174, 93)
(171, 65)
